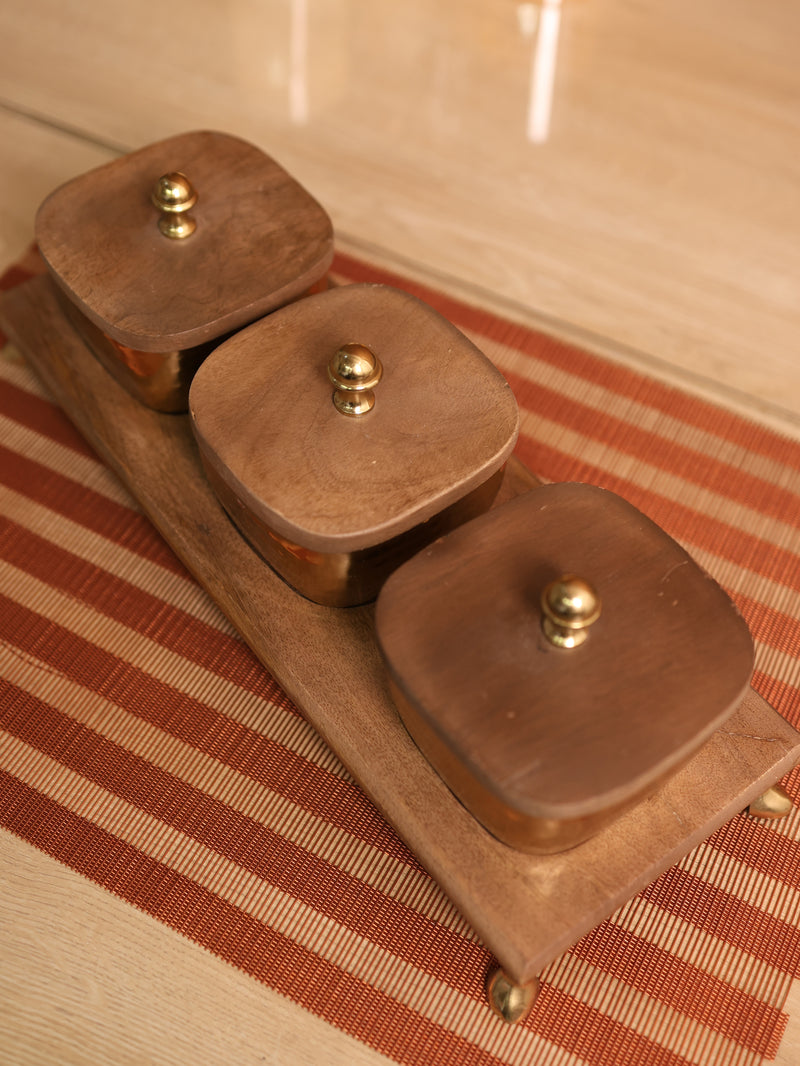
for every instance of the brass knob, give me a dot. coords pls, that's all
(174, 195)
(570, 605)
(354, 372)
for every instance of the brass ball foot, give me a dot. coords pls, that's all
(773, 804)
(510, 1001)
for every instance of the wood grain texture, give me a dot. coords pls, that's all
(547, 744)
(261, 241)
(345, 578)
(527, 909)
(658, 226)
(444, 419)
(660, 212)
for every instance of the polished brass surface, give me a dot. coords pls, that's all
(534, 834)
(345, 579)
(773, 804)
(174, 196)
(511, 1002)
(159, 380)
(354, 372)
(569, 605)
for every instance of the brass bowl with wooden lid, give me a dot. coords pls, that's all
(346, 431)
(160, 254)
(557, 658)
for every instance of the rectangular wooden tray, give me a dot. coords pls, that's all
(527, 909)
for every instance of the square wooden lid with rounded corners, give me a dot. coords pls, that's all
(545, 743)
(444, 419)
(260, 241)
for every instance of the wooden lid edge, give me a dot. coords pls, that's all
(357, 540)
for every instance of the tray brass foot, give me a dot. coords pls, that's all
(773, 804)
(510, 1001)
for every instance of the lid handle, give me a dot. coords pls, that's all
(174, 195)
(354, 372)
(570, 606)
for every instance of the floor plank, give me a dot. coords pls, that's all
(660, 210)
(36, 159)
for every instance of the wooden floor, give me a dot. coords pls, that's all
(653, 204)
(627, 173)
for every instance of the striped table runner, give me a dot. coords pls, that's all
(143, 745)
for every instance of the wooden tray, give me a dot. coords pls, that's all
(527, 909)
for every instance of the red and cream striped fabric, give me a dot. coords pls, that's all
(143, 745)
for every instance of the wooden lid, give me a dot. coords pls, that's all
(260, 241)
(262, 406)
(547, 732)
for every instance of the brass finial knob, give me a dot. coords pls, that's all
(174, 195)
(354, 372)
(570, 606)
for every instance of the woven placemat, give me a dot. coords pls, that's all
(144, 746)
